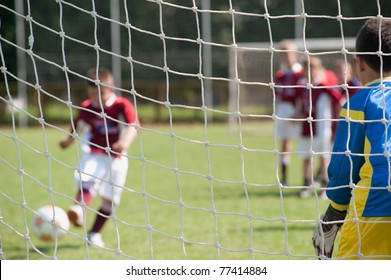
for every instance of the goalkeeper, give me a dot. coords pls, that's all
(359, 171)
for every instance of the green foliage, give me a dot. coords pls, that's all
(192, 192)
(181, 26)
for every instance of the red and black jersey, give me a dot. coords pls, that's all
(353, 86)
(287, 81)
(105, 125)
(309, 99)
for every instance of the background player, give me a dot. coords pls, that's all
(286, 90)
(360, 165)
(103, 167)
(316, 135)
(344, 72)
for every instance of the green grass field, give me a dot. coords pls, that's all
(192, 193)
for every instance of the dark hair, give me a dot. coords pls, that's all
(368, 42)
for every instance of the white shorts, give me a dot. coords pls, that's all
(99, 170)
(286, 129)
(304, 147)
(319, 145)
(324, 124)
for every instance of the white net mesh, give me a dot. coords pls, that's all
(193, 190)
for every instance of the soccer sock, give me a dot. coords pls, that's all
(100, 220)
(325, 183)
(283, 171)
(85, 195)
(285, 161)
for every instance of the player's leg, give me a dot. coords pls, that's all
(323, 175)
(285, 159)
(101, 217)
(323, 140)
(308, 180)
(303, 148)
(84, 198)
(90, 169)
(286, 130)
(111, 196)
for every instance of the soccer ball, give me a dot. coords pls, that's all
(47, 228)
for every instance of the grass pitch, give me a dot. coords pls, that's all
(192, 192)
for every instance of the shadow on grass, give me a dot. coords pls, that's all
(272, 191)
(281, 228)
(39, 252)
(260, 193)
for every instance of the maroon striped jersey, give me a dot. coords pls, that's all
(105, 123)
(287, 81)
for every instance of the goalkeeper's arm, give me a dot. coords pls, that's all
(325, 233)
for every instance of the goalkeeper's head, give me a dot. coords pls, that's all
(375, 37)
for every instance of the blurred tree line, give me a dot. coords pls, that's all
(251, 21)
(177, 20)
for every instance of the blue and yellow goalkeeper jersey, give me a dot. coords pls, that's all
(360, 166)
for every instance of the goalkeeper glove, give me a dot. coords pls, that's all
(325, 233)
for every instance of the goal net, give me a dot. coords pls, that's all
(194, 189)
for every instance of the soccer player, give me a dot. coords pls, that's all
(111, 125)
(359, 171)
(316, 134)
(344, 72)
(286, 97)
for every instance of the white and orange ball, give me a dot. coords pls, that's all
(50, 222)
